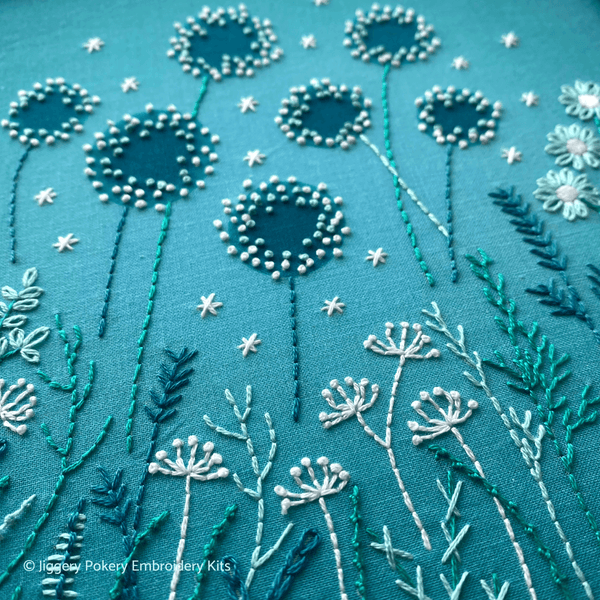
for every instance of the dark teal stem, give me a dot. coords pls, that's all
(12, 205)
(200, 96)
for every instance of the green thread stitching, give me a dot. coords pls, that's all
(17, 593)
(200, 96)
(140, 344)
(65, 452)
(390, 156)
(537, 384)
(355, 519)
(209, 548)
(454, 564)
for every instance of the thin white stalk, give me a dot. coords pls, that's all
(336, 549)
(182, 538)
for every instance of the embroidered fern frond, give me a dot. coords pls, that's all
(63, 565)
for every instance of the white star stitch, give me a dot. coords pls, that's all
(377, 256)
(208, 306)
(254, 157)
(248, 103)
(460, 63)
(333, 306)
(93, 45)
(45, 196)
(308, 41)
(130, 83)
(249, 345)
(530, 99)
(511, 155)
(510, 40)
(65, 243)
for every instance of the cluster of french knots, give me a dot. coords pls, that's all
(575, 148)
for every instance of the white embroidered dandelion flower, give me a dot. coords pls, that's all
(568, 192)
(574, 145)
(582, 100)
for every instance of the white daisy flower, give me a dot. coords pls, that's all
(574, 145)
(582, 100)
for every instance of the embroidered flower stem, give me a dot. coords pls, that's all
(529, 529)
(209, 548)
(11, 518)
(111, 270)
(449, 214)
(64, 452)
(458, 346)
(142, 339)
(355, 519)
(256, 561)
(390, 156)
(537, 373)
(411, 194)
(13, 205)
(200, 96)
(448, 423)
(357, 406)
(295, 365)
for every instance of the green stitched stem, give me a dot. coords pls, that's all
(454, 565)
(496, 584)
(209, 548)
(557, 577)
(404, 576)
(155, 524)
(8, 311)
(531, 376)
(390, 156)
(4, 482)
(140, 344)
(71, 357)
(17, 593)
(65, 452)
(355, 519)
(200, 96)
(597, 121)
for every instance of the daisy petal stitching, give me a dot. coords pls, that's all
(574, 146)
(567, 192)
(581, 100)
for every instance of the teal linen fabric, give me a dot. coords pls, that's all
(559, 43)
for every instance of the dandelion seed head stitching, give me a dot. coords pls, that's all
(149, 158)
(285, 227)
(458, 117)
(223, 43)
(49, 112)
(324, 113)
(390, 35)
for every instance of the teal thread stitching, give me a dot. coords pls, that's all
(200, 96)
(532, 459)
(208, 551)
(392, 554)
(530, 530)
(5, 479)
(355, 519)
(537, 372)
(140, 344)
(295, 353)
(20, 302)
(65, 451)
(111, 270)
(155, 524)
(451, 526)
(449, 214)
(494, 591)
(256, 560)
(390, 156)
(12, 205)
(594, 277)
(17, 593)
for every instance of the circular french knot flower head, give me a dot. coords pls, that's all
(390, 35)
(223, 42)
(324, 114)
(458, 116)
(151, 158)
(284, 228)
(50, 112)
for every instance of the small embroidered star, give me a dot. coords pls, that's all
(334, 305)
(510, 40)
(321, 2)
(511, 155)
(249, 345)
(65, 243)
(46, 196)
(93, 45)
(308, 41)
(254, 156)
(130, 83)
(208, 306)
(460, 63)
(248, 103)
(377, 257)
(530, 99)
